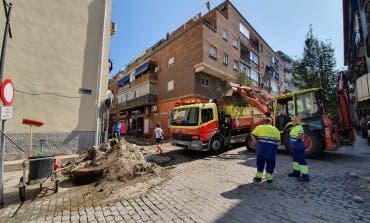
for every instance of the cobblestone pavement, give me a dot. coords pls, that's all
(218, 188)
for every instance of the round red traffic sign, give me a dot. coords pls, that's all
(7, 92)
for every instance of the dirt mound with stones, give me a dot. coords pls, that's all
(113, 161)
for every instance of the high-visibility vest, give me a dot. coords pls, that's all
(295, 131)
(268, 137)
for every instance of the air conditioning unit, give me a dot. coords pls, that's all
(154, 108)
(157, 69)
(113, 28)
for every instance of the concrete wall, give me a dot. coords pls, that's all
(55, 51)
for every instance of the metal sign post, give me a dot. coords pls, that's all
(7, 9)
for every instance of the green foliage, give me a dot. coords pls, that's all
(242, 79)
(316, 70)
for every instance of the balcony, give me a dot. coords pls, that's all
(254, 43)
(244, 39)
(213, 71)
(144, 100)
(148, 77)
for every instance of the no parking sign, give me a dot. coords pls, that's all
(7, 92)
(7, 96)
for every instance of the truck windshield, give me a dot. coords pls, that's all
(185, 117)
(306, 105)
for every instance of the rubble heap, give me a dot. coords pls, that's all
(113, 161)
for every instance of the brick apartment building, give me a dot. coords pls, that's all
(287, 77)
(356, 30)
(193, 64)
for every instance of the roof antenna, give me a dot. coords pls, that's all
(208, 6)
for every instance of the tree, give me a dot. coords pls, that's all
(242, 79)
(316, 70)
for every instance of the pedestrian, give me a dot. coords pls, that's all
(267, 138)
(300, 167)
(117, 129)
(158, 135)
(123, 130)
(363, 126)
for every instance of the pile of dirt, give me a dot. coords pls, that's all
(113, 161)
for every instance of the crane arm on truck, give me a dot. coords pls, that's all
(255, 97)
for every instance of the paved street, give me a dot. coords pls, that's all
(200, 188)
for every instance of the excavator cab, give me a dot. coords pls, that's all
(309, 107)
(306, 104)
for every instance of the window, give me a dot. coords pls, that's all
(207, 115)
(171, 62)
(213, 52)
(306, 105)
(274, 87)
(254, 76)
(274, 61)
(235, 43)
(132, 77)
(204, 82)
(245, 70)
(243, 30)
(170, 85)
(254, 57)
(224, 35)
(226, 59)
(236, 65)
(185, 117)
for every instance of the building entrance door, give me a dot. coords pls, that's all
(140, 126)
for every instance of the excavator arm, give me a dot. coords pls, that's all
(345, 109)
(255, 97)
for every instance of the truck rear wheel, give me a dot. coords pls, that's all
(216, 144)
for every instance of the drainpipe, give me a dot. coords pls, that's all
(100, 74)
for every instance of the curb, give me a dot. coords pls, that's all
(16, 165)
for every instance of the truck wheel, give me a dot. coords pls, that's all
(216, 144)
(286, 140)
(314, 143)
(251, 147)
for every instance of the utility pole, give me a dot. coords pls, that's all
(7, 9)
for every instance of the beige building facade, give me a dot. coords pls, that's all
(58, 60)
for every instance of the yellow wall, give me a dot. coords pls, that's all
(55, 51)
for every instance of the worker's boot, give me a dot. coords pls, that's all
(257, 179)
(268, 177)
(295, 173)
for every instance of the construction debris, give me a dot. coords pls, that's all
(113, 161)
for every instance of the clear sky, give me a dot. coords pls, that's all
(283, 24)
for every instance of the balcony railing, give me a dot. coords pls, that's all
(151, 77)
(249, 62)
(144, 100)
